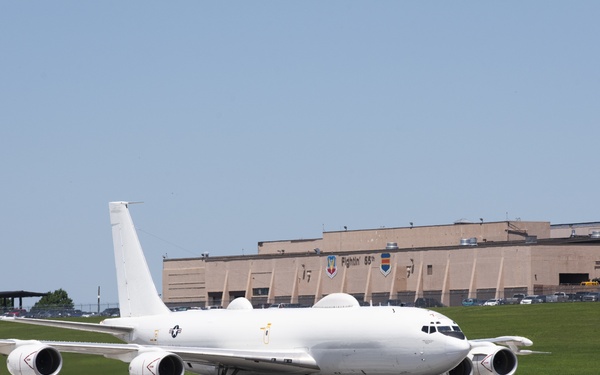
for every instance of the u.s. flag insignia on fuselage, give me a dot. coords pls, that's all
(386, 266)
(331, 268)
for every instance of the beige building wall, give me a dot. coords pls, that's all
(439, 268)
(184, 281)
(290, 246)
(411, 237)
(576, 229)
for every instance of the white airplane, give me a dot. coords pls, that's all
(334, 337)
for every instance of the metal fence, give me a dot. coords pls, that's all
(437, 298)
(56, 311)
(433, 298)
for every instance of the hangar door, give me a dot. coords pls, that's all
(572, 278)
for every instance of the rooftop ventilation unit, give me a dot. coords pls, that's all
(391, 246)
(531, 239)
(462, 221)
(468, 241)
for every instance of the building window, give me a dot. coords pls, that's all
(257, 292)
(429, 269)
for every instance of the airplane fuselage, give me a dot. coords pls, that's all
(341, 340)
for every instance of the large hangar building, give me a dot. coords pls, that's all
(443, 263)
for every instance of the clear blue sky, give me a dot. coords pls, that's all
(238, 122)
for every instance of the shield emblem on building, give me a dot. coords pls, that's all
(386, 266)
(331, 268)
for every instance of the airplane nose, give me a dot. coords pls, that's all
(457, 349)
(454, 352)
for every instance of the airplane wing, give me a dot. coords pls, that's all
(285, 361)
(271, 361)
(115, 351)
(289, 362)
(120, 332)
(297, 361)
(513, 342)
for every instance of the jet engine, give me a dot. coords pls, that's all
(34, 359)
(156, 363)
(463, 368)
(487, 360)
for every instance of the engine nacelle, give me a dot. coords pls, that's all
(34, 359)
(487, 359)
(463, 368)
(500, 361)
(156, 363)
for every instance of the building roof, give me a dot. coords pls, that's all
(20, 294)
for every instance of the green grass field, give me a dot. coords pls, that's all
(72, 363)
(570, 331)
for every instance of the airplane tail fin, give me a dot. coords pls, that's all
(137, 292)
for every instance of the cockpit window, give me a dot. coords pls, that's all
(459, 335)
(453, 331)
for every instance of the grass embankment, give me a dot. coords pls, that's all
(72, 363)
(570, 331)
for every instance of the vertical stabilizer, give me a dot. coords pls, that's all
(137, 292)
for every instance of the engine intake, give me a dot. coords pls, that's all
(500, 362)
(487, 360)
(463, 368)
(34, 359)
(156, 363)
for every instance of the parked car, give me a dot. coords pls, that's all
(557, 297)
(15, 312)
(579, 296)
(472, 302)
(528, 300)
(591, 297)
(515, 299)
(493, 302)
(286, 305)
(215, 307)
(428, 302)
(180, 308)
(112, 312)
